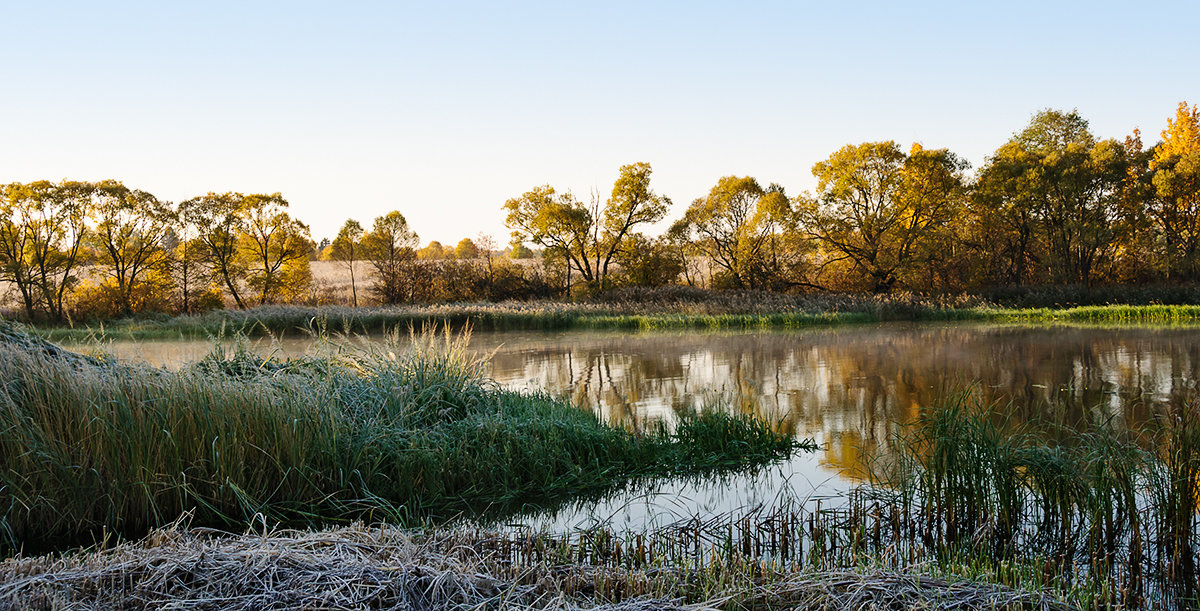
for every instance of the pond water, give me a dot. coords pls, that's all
(849, 388)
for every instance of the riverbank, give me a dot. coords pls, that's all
(971, 497)
(411, 434)
(781, 312)
(382, 567)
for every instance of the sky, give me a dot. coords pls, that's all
(444, 110)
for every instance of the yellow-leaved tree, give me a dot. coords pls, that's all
(882, 210)
(1175, 206)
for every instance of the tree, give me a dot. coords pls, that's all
(1004, 217)
(679, 240)
(466, 249)
(220, 220)
(321, 250)
(486, 245)
(587, 238)
(275, 246)
(42, 230)
(647, 262)
(557, 222)
(1058, 191)
(632, 203)
(347, 247)
(1175, 204)
(130, 228)
(520, 251)
(433, 250)
(16, 264)
(390, 246)
(881, 209)
(186, 266)
(735, 224)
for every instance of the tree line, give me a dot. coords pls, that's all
(102, 250)
(1052, 205)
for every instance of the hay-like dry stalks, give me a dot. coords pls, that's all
(838, 591)
(389, 568)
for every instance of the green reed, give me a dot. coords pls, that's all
(1092, 515)
(725, 313)
(359, 431)
(1101, 508)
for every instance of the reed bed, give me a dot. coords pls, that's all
(384, 567)
(670, 308)
(678, 307)
(360, 431)
(1106, 514)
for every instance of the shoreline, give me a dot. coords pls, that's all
(386, 567)
(283, 321)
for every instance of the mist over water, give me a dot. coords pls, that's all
(851, 388)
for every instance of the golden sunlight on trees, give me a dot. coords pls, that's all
(390, 246)
(347, 248)
(131, 226)
(276, 248)
(735, 225)
(466, 249)
(1175, 203)
(1054, 205)
(219, 221)
(432, 251)
(186, 267)
(632, 203)
(886, 212)
(1049, 199)
(42, 230)
(588, 238)
(250, 242)
(557, 222)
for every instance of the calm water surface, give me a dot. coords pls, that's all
(849, 388)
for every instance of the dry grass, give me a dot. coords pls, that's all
(331, 282)
(361, 567)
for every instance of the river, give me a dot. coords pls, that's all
(850, 388)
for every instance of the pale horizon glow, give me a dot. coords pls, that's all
(445, 110)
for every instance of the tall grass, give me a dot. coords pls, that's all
(359, 431)
(1108, 510)
(1095, 515)
(625, 311)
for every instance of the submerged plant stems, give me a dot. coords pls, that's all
(1107, 511)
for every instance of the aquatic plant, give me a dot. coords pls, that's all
(358, 431)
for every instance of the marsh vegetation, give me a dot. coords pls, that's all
(359, 431)
(1080, 494)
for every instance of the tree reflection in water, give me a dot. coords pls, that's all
(854, 387)
(850, 387)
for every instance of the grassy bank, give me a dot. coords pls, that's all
(360, 431)
(289, 320)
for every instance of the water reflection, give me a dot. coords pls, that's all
(851, 388)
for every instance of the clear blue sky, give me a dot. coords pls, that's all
(444, 110)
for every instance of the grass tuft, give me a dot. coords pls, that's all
(360, 430)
